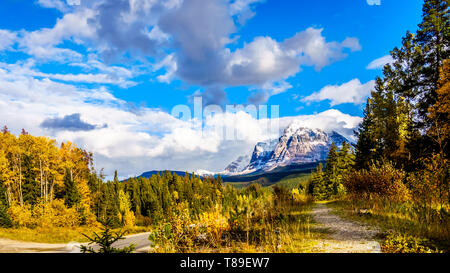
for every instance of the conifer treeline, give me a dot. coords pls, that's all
(329, 183)
(151, 199)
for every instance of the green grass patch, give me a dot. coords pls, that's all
(293, 181)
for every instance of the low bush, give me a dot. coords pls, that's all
(54, 214)
(5, 219)
(379, 181)
(401, 243)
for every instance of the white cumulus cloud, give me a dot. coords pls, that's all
(350, 92)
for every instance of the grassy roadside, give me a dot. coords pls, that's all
(46, 235)
(56, 235)
(299, 233)
(400, 233)
(293, 232)
(302, 233)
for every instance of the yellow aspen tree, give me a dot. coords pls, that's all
(76, 162)
(13, 155)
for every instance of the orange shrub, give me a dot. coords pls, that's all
(381, 181)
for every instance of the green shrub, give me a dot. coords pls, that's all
(105, 241)
(5, 219)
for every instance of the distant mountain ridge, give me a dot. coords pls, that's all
(151, 173)
(299, 149)
(297, 145)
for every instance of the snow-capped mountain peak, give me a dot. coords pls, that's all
(238, 165)
(204, 173)
(297, 145)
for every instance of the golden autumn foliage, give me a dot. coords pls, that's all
(32, 173)
(299, 197)
(126, 216)
(439, 113)
(215, 224)
(22, 216)
(54, 214)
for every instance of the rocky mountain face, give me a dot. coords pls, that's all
(238, 165)
(297, 145)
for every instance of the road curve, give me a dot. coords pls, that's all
(140, 241)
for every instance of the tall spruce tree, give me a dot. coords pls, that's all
(331, 170)
(365, 146)
(317, 187)
(71, 196)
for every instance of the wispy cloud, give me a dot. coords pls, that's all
(380, 62)
(7, 39)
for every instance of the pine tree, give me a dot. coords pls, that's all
(332, 160)
(71, 196)
(116, 182)
(346, 157)
(105, 240)
(317, 187)
(331, 170)
(366, 143)
(5, 219)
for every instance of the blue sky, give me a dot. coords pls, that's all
(106, 74)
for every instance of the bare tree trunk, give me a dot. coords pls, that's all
(20, 182)
(8, 195)
(51, 189)
(46, 189)
(42, 184)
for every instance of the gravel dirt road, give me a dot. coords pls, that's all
(343, 236)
